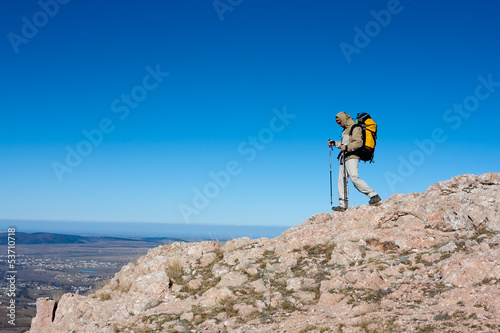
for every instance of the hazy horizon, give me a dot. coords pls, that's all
(144, 229)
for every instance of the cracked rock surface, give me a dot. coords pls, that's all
(419, 262)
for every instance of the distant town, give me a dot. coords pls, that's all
(84, 273)
(50, 265)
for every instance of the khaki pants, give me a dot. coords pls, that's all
(359, 184)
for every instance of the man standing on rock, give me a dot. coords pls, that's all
(352, 141)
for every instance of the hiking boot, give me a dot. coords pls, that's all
(338, 209)
(374, 200)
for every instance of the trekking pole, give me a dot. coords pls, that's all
(331, 195)
(346, 199)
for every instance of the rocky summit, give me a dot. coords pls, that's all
(419, 262)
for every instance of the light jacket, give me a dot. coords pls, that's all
(353, 142)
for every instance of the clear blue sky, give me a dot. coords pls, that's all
(158, 98)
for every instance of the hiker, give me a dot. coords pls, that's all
(350, 146)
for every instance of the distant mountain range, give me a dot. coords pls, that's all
(152, 231)
(50, 238)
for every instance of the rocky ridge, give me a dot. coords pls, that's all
(420, 262)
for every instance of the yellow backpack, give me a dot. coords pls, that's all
(369, 127)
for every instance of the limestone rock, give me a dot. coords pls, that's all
(418, 262)
(45, 309)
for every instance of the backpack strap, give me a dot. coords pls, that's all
(355, 152)
(353, 126)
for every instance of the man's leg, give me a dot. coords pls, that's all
(342, 201)
(359, 184)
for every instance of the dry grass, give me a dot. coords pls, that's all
(174, 270)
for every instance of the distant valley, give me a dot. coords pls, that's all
(51, 238)
(51, 264)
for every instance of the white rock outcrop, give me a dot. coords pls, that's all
(418, 262)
